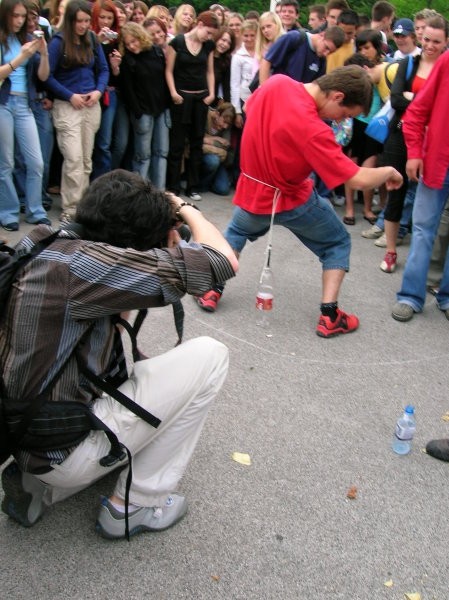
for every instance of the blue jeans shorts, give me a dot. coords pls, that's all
(314, 223)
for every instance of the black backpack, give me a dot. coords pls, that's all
(57, 425)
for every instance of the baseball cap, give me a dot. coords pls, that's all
(403, 27)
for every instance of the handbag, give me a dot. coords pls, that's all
(379, 126)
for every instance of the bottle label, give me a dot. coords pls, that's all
(404, 433)
(264, 302)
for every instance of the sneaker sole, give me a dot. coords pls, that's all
(17, 502)
(401, 318)
(334, 333)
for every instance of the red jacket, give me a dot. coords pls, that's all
(429, 110)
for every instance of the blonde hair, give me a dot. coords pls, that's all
(251, 25)
(138, 32)
(157, 10)
(261, 42)
(177, 27)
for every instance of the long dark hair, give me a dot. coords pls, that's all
(6, 10)
(75, 55)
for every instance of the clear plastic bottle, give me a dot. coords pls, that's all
(264, 298)
(404, 431)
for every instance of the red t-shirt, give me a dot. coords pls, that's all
(283, 141)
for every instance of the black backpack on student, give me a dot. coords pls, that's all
(67, 423)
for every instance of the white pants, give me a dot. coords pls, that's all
(177, 387)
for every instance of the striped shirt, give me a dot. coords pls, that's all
(74, 285)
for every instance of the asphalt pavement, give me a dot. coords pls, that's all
(316, 416)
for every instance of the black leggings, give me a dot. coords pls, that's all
(188, 126)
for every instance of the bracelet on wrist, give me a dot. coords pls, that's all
(178, 213)
(11, 67)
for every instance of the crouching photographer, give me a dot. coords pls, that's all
(123, 253)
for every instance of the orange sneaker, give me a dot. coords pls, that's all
(344, 323)
(209, 300)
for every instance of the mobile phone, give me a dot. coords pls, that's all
(38, 34)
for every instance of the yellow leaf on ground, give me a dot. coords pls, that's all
(216, 577)
(243, 459)
(445, 417)
(389, 583)
(413, 596)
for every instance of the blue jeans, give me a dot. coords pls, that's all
(102, 158)
(46, 134)
(429, 205)
(120, 133)
(17, 125)
(151, 143)
(314, 223)
(214, 176)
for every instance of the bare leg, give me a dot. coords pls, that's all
(332, 280)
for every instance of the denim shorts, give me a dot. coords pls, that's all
(314, 223)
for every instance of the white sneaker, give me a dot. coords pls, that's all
(382, 241)
(195, 197)
(111, 523)
(373, 232)
(338, 200)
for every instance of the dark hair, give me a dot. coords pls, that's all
(382, 9)
(293, 3)
(353, 81)
(123, 209)
(155, 21)
(336, 35)
(364, 21)
(339, 4)
(360, 60)
(252, 14)
(319, 9)
(6, 10)
(231, 34)
(209, 19)
(75, 55)
(370, 35)
(348, 17)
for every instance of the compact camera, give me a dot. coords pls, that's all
(111, 35)
(38, 34)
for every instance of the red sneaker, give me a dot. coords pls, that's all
(209, 300)
(344, 323)
(388, 265)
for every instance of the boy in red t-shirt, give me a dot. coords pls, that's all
(285, 139)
